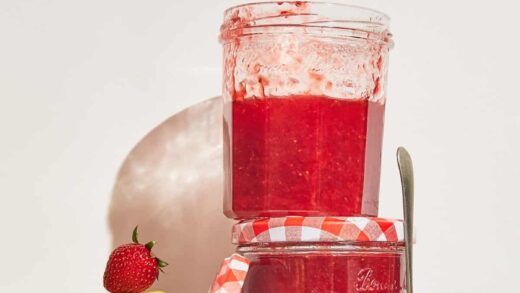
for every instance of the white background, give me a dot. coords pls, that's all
(82, 81)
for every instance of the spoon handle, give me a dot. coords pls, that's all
(404, 161)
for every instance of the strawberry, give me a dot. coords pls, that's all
(132, 268)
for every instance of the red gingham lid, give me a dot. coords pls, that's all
(231, 276)
(317, 229)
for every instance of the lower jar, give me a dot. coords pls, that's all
(322, 255)
(320, 268)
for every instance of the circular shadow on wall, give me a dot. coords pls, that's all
(171, 186)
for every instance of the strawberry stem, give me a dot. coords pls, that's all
(161, 263)
(135, 234)
(149, 245)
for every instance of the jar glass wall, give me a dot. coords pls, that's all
(304, 96)
(338, 267)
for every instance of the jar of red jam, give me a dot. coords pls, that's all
(316, 254)
(304, 96)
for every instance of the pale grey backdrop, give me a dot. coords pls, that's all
(82, 81)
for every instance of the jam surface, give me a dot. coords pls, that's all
(313, 272)
(302, 155)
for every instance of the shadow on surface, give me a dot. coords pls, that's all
(171, 186)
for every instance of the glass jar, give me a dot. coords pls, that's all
(339, 267)
(304, 96)
(323, 255)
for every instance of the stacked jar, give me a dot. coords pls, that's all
(304, 99)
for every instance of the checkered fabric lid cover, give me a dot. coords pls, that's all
(318, 229)
(231, 276)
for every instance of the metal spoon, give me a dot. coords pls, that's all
(404, 161)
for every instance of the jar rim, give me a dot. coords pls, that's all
(329, 18)
(302, 247)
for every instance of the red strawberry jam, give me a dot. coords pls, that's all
(303, 155)
(335, 271)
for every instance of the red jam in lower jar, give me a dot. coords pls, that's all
(303, 155)
(325, 268)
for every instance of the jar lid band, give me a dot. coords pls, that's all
(318, 229)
